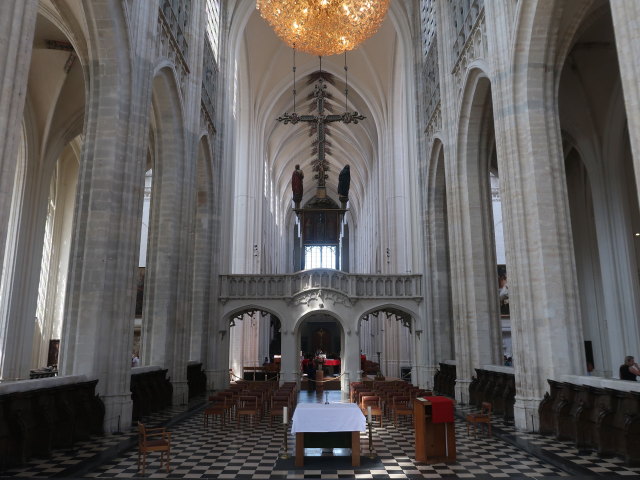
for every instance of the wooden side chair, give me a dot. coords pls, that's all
(247, 406)
(401, 407)
(213, 410)
(484, 417)
(153, 440)
(375, 403)
(277, 407)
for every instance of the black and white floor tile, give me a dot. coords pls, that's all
(252, 452)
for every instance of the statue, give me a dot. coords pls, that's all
(344, 180)
(296, 185)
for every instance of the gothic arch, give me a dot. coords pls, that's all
(164, 314)
(203, 241)
(440, 324)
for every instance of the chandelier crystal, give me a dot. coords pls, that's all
(323, 27)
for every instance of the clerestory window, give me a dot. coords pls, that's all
(320, 256)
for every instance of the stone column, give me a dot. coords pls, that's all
(350, 359)
(475, 312)
(17, 24)
(546, 330)
(290, 363)
(98, 329)
(626, 24)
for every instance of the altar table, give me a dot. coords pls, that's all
(335, 425)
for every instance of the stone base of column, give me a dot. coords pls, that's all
(217, 379)
(345, 382)
(525, 413)
(180, 393)
(462, 391)
(424, 374)
(118, 412)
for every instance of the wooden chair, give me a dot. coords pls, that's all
(213, 410)
(401, 406)
(375, 403)
(479, 418)
(248, 405)
(277, 407)
(153, 440)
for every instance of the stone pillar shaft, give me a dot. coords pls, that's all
(626, 24)
(17, 24)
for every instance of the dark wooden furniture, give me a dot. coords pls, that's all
(597, 418)
(51, 415)
(435, 442)
(444, 381)
(153, 440)
(482, 418)
(151, 391)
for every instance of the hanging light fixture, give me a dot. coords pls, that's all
(323, 27)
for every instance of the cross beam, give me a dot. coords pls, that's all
(321, 120)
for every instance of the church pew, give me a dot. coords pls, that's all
(39, 416)
(596, 414)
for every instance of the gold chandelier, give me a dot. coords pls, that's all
(323, 27)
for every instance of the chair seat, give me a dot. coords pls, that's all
(155, 444)
(478, 417)
(484, 417)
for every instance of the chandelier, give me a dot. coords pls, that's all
(323, 27)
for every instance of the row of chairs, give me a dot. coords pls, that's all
(393, 399)
(253, 400)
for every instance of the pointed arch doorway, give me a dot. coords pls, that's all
(321, 335)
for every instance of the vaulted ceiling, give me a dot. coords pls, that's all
(269, 81)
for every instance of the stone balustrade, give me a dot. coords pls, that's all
(496, 385)
(595, 414)
(37, 416)
(286, 286)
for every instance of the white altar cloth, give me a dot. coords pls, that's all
(334, 417)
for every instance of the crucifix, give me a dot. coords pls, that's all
(320, 165)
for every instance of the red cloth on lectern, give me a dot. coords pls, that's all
(441, 409)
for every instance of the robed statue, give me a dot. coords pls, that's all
(296, 185)
(344, 181)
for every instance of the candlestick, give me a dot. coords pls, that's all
(369, 413)
(371, 454)
(285, 447)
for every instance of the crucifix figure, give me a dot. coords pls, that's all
(320, 165)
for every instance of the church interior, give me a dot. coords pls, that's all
(222, 219)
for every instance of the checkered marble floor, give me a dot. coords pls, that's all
(251, 451)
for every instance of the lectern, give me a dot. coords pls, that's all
(434, 429)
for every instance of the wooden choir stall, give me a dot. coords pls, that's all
(434, 430)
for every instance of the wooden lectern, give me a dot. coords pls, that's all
(435, 442)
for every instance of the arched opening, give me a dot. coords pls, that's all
(37, 251)
(254, 345)
(387, 338)
(202, 253)
(55, 257)
(602, 194)
(320, 338)
(440, 331)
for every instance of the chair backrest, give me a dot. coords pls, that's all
(400, 401)
(370, 400)
(486, 408)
